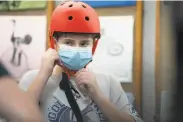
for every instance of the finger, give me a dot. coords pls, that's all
(82, 82)
(82, 70)
(78, 72)
(84, 76)
(82, 87)
(57, 57)
(83, 79)
(53, 52)
(54, 57)
(50, 50)
(85, 69)
(79, 79)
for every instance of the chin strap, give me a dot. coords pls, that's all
(66, 87)
(66, 70)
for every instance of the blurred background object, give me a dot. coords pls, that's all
(177, 24)
(14, 5)
(23, 35)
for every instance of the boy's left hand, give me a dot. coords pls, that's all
(86, 82)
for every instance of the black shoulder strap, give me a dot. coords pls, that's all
(3, 71)
(65, 85)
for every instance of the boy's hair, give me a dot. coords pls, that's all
(57, 35)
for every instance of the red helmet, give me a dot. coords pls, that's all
(74, 17)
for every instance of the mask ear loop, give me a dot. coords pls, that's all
(52, 39)
(59, 62)
(95, 43)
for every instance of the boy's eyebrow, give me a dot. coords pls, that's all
(68, 39)
(85, 40)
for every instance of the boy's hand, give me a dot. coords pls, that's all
(49, 60)
(87, 83)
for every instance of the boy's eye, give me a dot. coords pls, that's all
(84, 44)
(68, 43)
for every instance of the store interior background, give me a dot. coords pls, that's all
(152, 58)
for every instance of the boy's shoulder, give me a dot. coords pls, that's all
(47, 93)
(29, 77)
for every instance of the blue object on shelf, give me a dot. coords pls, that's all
(115, 3)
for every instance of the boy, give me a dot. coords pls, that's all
(74, 31)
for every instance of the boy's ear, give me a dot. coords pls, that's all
(55, 46)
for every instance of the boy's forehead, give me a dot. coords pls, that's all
(77, 37)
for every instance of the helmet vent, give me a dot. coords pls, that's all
(87, 18)
(84, 6)
(70, 5)
(62, 4)
(70, 17)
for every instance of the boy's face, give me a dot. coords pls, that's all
(75, 40)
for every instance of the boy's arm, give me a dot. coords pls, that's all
(114, 107)
(117, 107)
(36, 88)
(33, 82)
(110, 111)
(38, 83)
(120, 100)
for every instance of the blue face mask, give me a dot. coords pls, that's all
(75, 58)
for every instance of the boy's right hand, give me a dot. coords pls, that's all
(48, 62)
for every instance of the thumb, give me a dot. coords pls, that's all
(89, 69)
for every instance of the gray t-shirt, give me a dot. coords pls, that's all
(55, 107)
